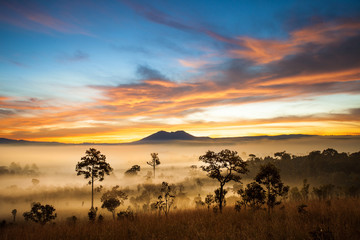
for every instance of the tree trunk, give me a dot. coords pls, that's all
(268, 195)
(221, 198)
(166, 208)
(92, 190)
(113, 213)
(154, 170)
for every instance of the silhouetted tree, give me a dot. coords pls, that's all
(35, 181)
(154, 161)
(220, 196)
(209, 200)
(224, 166)
(295, 194)
(93, 165)
(199, 202)
(92, 214)
(133, 171)
(324, 192)
(305, 190)
(112, 199)
(13, 212)
(193, 170)
(40, 213)
(284, 156)
(253, 195)
(166, 199)
(269, 176)
(128, 214)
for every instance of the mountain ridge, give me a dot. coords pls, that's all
(170, 137)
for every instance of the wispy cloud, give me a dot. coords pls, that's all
(30, 16)
(78, 55)
(131, 49)
(155, 15)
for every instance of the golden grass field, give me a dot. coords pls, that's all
(335, 219)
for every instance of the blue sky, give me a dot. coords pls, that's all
(119, 70)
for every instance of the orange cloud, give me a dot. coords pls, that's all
(266, 51)
(193, 63)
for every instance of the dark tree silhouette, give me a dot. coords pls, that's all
(209, 200)
(224, 166)
(220, 196)
(253, 195)
(154, 161)
(283, 155)
(324, 192)
(133, 171)
(295, 194)
(13, 212)
(40, 213)
(269, 176)
(127, 214)
(305, 190)
(35, 181)
(94, 166)
(199, 202)
(112, 199)
(166, 199)
(92, 214)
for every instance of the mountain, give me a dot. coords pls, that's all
(24, 142)
(170, 136)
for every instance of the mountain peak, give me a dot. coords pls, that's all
(168, 136)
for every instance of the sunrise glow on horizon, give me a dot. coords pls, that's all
(118, 71)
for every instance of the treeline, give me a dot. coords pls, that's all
(17, 169)
(326, 167)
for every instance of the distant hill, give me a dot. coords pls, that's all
(24, 142)
(175, 137)
(170, 136)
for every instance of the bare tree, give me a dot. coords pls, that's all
(154, 161)
(224, 166)
(166, 199)
(94, 166)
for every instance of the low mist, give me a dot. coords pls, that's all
(47, 173)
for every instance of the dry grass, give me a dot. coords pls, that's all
(340, 217)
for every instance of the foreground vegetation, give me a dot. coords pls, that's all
(265, 208)
(335, 219)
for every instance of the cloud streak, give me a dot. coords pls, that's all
(30, 16)
(74, 57)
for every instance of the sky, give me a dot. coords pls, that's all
(119, 70)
